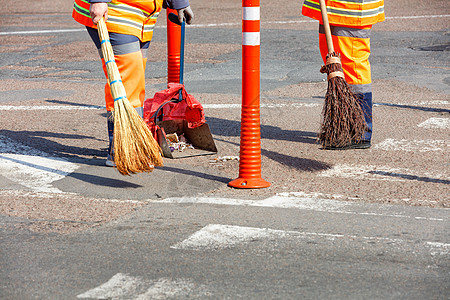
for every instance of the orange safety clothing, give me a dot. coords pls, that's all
(353, 45)
(130, 56)
(132, 72)
(130, 25)
(127, 18)
(347, 12)
(350, 23)
(136, 18)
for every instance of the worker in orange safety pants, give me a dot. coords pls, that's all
(130, 25)
(351, 23)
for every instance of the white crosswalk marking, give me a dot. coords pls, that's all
(381, 173)
(124, 286)
(32, 168)
(438, 248)
(300, 200)
(413, 145)
(443, 123)
(217, 236)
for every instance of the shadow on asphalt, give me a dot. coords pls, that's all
(301, 164)
(69, 103)
(196, 174)
(410, 177)
(103, 181)
(225, 127)
(421, 108)
(40, 140)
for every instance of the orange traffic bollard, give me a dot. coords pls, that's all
(173, 49)
(250, 147)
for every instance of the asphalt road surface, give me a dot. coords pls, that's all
(355, 224)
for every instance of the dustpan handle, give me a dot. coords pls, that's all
(180, 93)
(174, 19)
(180, 96)
(155, 115)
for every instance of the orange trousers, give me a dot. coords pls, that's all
(353, 43)
(132, 71)
(130, 55)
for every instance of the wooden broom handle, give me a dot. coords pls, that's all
(114, 79)
(104, 39)
(326, 26)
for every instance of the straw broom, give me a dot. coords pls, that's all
(343, 118)
(135, 149)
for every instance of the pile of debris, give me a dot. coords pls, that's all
(178, 143)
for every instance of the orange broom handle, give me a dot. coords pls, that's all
(326, 25)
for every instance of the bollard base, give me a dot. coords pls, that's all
(251, 183)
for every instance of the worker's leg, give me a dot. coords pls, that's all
(130, 57)
(110, 123)
(354, 46)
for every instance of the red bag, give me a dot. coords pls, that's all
(166, 104)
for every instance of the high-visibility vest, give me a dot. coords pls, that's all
(347, 12)
(136, 18)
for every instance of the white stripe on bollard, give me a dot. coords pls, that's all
(251, 39)
(251, 13)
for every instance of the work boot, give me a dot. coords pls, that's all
(363, 144)
(110, 161)
(110, 156)
(109, 119)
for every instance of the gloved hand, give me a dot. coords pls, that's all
(185, 13)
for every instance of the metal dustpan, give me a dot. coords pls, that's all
(200, 137)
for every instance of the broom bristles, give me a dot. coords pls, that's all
(342, 116)
(135, 149)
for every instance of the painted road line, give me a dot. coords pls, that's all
(416, 17)
(32, 168)
(383, 173)
(412, 104)
(96, 107)
(124, 286)
(59, 196)
(294, 105)
(218, 24)
(442, 123)
(304, 201)
(42, 31)
(50, 107)
(217, 236)
(433, 102)
(413, 145)
(263, 105)
(438, 248)
(433, 106)
(207, 106)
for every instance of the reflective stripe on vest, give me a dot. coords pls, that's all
(81, 13)
(348, 32)
(123, 18)
(347, 12)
